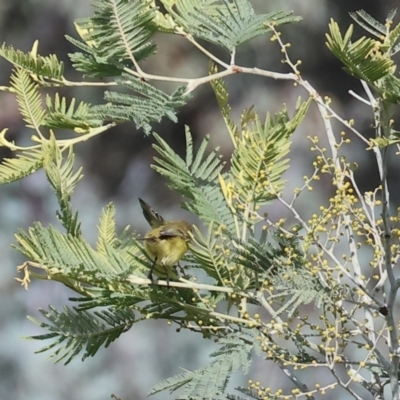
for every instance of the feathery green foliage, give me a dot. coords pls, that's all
(147, 105)
(38, 66)
(222, 95)
(74, 331)
(196, 178)
(228, 23)
(252, 394)
(213, 263)
(91, 65)
(361, 58)
(293, 290)
(107, 230)
(379, 30)
(115, 38)
(63, 180)
(370, 59)
(28, 98)
(21, 166)
(63, 253)
(242, 260)
(258, 161)
(211, 381)
(256, 170)
(61, 116)
(370, 24)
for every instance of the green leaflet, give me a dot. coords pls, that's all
(196, 178)
(107, 230)
(73, 331)
(47, 67)
(28, 98)
(61, 115)
(70, 255)
(210, 382)
(115, 37)
(370, 59)
(22, 165)
(63, 179)
(145, 105)
(229, 23)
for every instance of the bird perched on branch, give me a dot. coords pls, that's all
(166, 243)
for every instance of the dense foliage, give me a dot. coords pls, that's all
(258, 274)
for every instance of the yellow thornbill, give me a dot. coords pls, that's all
(166, 243)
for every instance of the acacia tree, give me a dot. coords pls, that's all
(259, 271)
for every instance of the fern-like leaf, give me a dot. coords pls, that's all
(233, 397)
(363, 58)
(73, 332)
(47, 67)
(228, 23)
(214, 263)
(390, 88)
(63, 180)
(211, 381)
(258, 161)
(22, 165)
(59, 115)
(117, 34)
(221, 93)
(252, 394)
(28, 98)
(64, 254)
(148, 104)
(296, 287)
(107, 233)
(91, 65)
(196, 178)
(369, 23)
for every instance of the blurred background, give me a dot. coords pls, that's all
(117, 168)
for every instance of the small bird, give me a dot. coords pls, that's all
(166, 243)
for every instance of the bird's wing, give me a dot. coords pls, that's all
(167, 232)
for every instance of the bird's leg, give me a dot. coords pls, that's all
(166, 274)
(181, 269)
(150, 275)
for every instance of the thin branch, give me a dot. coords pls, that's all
(355, 95)
(290, 374)
(191, 39)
